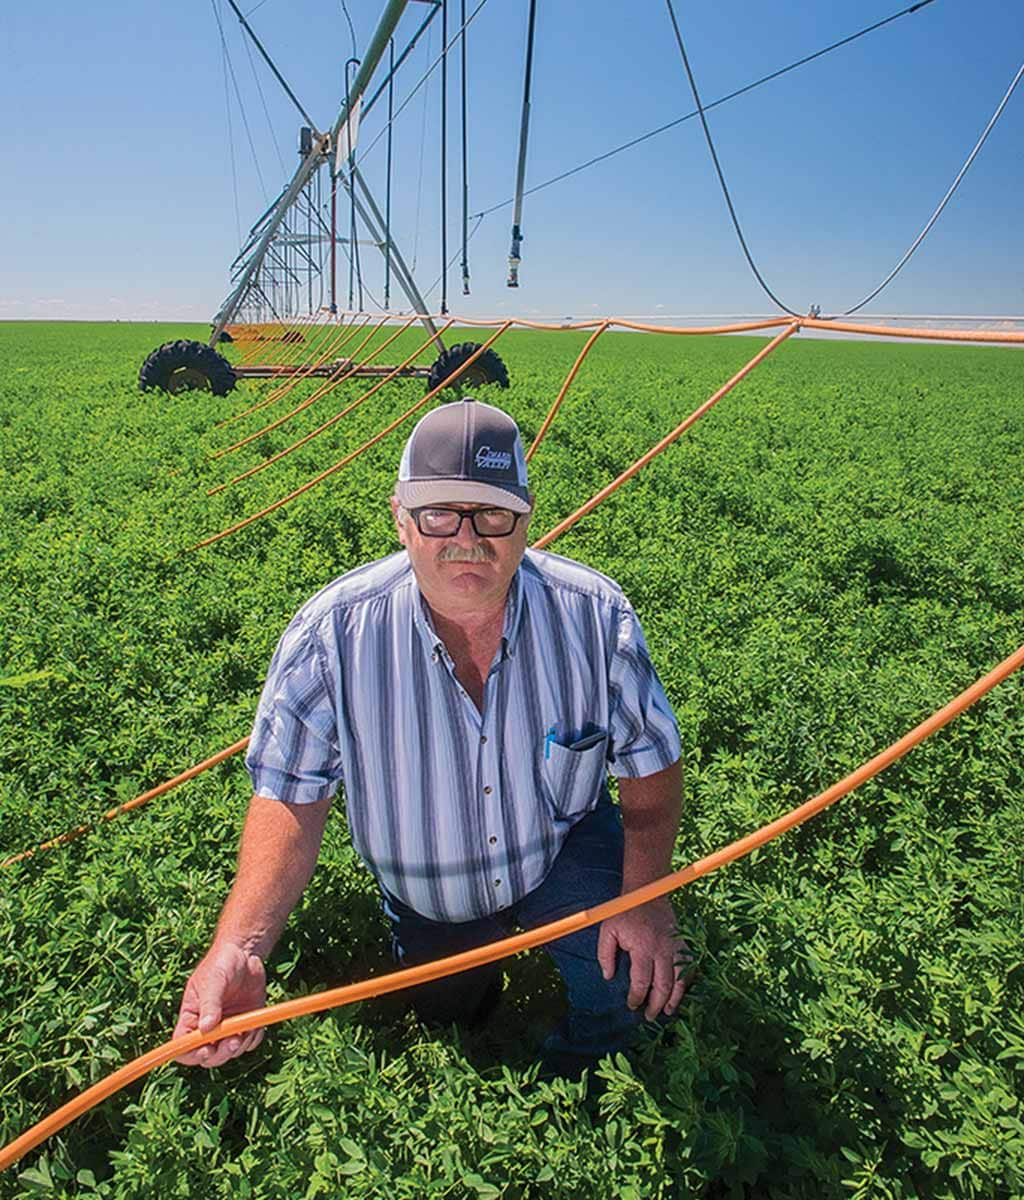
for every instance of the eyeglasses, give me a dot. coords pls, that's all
(446, 522)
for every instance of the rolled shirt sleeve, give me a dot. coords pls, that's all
(643, 735)
(294, 754)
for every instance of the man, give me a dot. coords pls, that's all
(472, 696)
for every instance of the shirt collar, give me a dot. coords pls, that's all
(510, 629)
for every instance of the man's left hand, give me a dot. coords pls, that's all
(647, 935)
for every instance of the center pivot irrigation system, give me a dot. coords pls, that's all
(285, 276)
(284, 303)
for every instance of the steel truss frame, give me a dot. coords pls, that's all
(282, 261)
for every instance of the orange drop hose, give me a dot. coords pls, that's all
(318, 479)
(264, 352)
(737, 327)
(331, 421)
(667, 440)
(397, 980)
(326, 348)
(931, 335)
(565, 387)
(138, 802)
(546, 540)
(343, 372)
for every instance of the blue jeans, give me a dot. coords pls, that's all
(587, 871)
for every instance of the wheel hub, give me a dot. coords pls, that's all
(186, 379)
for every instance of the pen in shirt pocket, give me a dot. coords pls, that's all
(583, 743)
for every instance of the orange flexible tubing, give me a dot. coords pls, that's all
(312, 483)
(565, 387)
(345, 371)
(410, 976)
(935, 335)
(616, 322)
(259, 334)
(327, 347)
(294, 375)
(251, 358)
(267, 462)
(299, 354)
(740, 327)
(667, 440)
(293, 340)
(314, 329)
(546, 540)
(251, 340)
(276, 336)
(138, 802)
(953, 335)
(262, 403)
(248, 343)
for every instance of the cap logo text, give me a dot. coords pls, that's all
(493, 460)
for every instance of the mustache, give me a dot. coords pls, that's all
(467, 554)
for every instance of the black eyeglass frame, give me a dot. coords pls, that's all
(471, 514)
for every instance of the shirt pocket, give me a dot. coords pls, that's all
(573, 777)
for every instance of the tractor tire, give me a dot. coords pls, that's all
(488, 368)
(183, 365)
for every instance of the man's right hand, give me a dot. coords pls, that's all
(228, 981)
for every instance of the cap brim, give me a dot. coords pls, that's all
(413, 493)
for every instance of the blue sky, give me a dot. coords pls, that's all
(118, 197)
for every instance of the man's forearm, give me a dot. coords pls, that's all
(651, 808)
(279, 848)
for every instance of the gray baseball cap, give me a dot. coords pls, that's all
(464, 452)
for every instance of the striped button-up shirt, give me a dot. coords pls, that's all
(458, 812)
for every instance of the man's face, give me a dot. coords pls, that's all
(462, 573)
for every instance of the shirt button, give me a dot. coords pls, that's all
(483, 738)
(493, 841)
(488, 790)
(497, 883)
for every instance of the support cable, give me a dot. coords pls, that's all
(514, 257)
(353, 258)
(419, 173)
(351, 29)
(718, 169)
(423, 78)
(444, 157)
(945, 199)
(263, 102)
(241, 106)
(800, 62)
(409, 47)
(270, 63)
(452, 261)
(465, 158)
(363, 286)
(231, 139)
